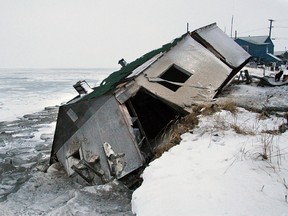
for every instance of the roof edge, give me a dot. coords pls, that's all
(113, 79)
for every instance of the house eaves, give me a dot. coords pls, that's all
(257, 40)
(274, 57)
(118, 76)
(209, 36)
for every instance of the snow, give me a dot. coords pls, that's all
(218, 172)
(215, 171)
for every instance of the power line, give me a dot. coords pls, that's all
(282, 20)
(265, 28)
(253, 30)
(280, 38)
(280, 26)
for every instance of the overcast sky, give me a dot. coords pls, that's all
(97, 33)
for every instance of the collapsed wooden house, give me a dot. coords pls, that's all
(108, 132)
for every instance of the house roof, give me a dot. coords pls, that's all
(211, 37)
(113, 79)
(274, 57)
(221, 45)
(259, 40)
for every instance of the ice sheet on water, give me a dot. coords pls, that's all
(25, 144)
(53, 193)
(24, 91)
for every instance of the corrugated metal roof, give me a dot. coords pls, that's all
(255, 39)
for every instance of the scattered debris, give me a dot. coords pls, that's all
(270, 81)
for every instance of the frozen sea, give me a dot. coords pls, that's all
(29, 101)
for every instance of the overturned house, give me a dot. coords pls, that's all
(109, 132)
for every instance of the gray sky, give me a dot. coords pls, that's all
(97, 33)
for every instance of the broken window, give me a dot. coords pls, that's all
(76, 155)
(151, 117)
(174, 77)
(72, 115)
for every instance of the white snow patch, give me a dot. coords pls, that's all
(216, 171)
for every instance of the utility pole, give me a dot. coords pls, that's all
(270, 28)
(231, 32)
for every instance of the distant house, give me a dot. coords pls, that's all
(261, 48)
(110, 132)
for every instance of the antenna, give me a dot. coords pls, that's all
(270, 27)
(187, 26)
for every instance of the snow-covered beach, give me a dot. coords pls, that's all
(213, 171)
(230, 164)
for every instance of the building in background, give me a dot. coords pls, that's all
(261, 48)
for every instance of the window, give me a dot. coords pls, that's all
(245, 47)
(173, 77)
